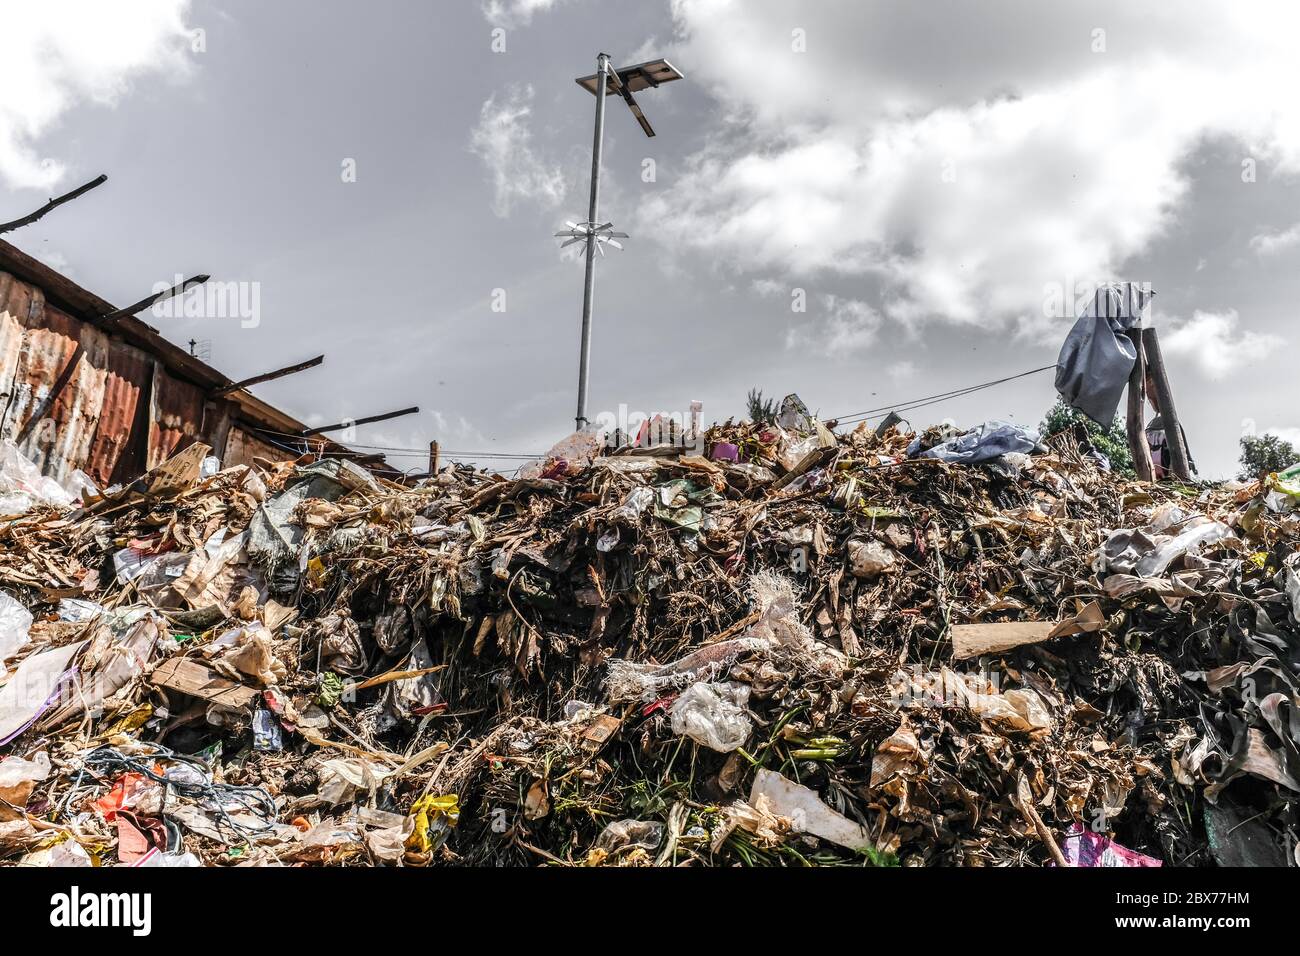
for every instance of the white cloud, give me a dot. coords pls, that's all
(846, 326)
(61, 53)
(1271, 243)
(503, 141)
(965, 176)
(1213, 341)
(513, 13)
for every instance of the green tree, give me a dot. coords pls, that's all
(1111, 442)
(760, 409)
(1262, 454)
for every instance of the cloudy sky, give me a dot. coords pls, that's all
(935, 182)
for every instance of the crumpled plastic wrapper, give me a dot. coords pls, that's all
(713, 715)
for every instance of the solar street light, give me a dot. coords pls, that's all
(606, 81)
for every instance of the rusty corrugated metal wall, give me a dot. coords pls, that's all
(72, 396)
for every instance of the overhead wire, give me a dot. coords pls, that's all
(924, 400)
(880, 411)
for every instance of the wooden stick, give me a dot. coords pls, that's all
(1024, 802)
(1137, 437)
(268, 376)
(360, 421)
(155, 298)
(1179, 462)
(53, 204)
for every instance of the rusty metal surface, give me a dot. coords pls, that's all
(117, 452)
(42, 350)
(75, 398)
(112, 399)
(175, 416)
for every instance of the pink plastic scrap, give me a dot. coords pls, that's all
(1082, 847)
(725, 451)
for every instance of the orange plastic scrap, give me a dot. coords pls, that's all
(123, 795)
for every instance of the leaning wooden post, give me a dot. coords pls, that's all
(433, 459)
(1137, 436)
(1178, 460)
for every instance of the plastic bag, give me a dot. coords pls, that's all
(18, 777)
(713, 715)
(869, 559)
(981, 443)
(23, 487)
(80, 485)
(15, 621)
(634, 505)
(646, 834)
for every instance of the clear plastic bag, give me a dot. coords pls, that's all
(15, 621)
(713, 715)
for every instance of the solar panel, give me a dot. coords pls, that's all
(642, 76)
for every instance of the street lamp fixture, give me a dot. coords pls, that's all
(606, 81)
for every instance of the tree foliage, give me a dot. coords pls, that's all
(1262, 454)
(1111, 442)
(760, 409)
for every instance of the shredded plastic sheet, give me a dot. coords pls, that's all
(982, 443)
(713, 715)
(1084, 848)
(1097, 357)
(23, 487)
(778, 628)
(15, 621)
(1148, 552)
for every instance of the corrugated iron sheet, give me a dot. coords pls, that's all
(116, 452)
(175, 416)
(75, 398)
(112, 401)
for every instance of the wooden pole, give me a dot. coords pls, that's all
(53, 204)
(1178, 460)
(1137, 399)
(359, 421)
(433, 459)
(268, 376)
(154, 299)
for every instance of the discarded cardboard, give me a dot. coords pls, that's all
(192, 678)
(972, 640)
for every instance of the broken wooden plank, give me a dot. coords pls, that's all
(190, 677)
(350, 423)
(269, 376)
(53, 204)
(151, 300)
(972, 640)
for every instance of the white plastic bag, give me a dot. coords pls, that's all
(869, 559)
(713, 715)
(22, 486)
(17, 770)
(15, 621)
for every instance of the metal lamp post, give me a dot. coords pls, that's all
(604, 82)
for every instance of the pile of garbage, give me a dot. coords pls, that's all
(785, 644)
